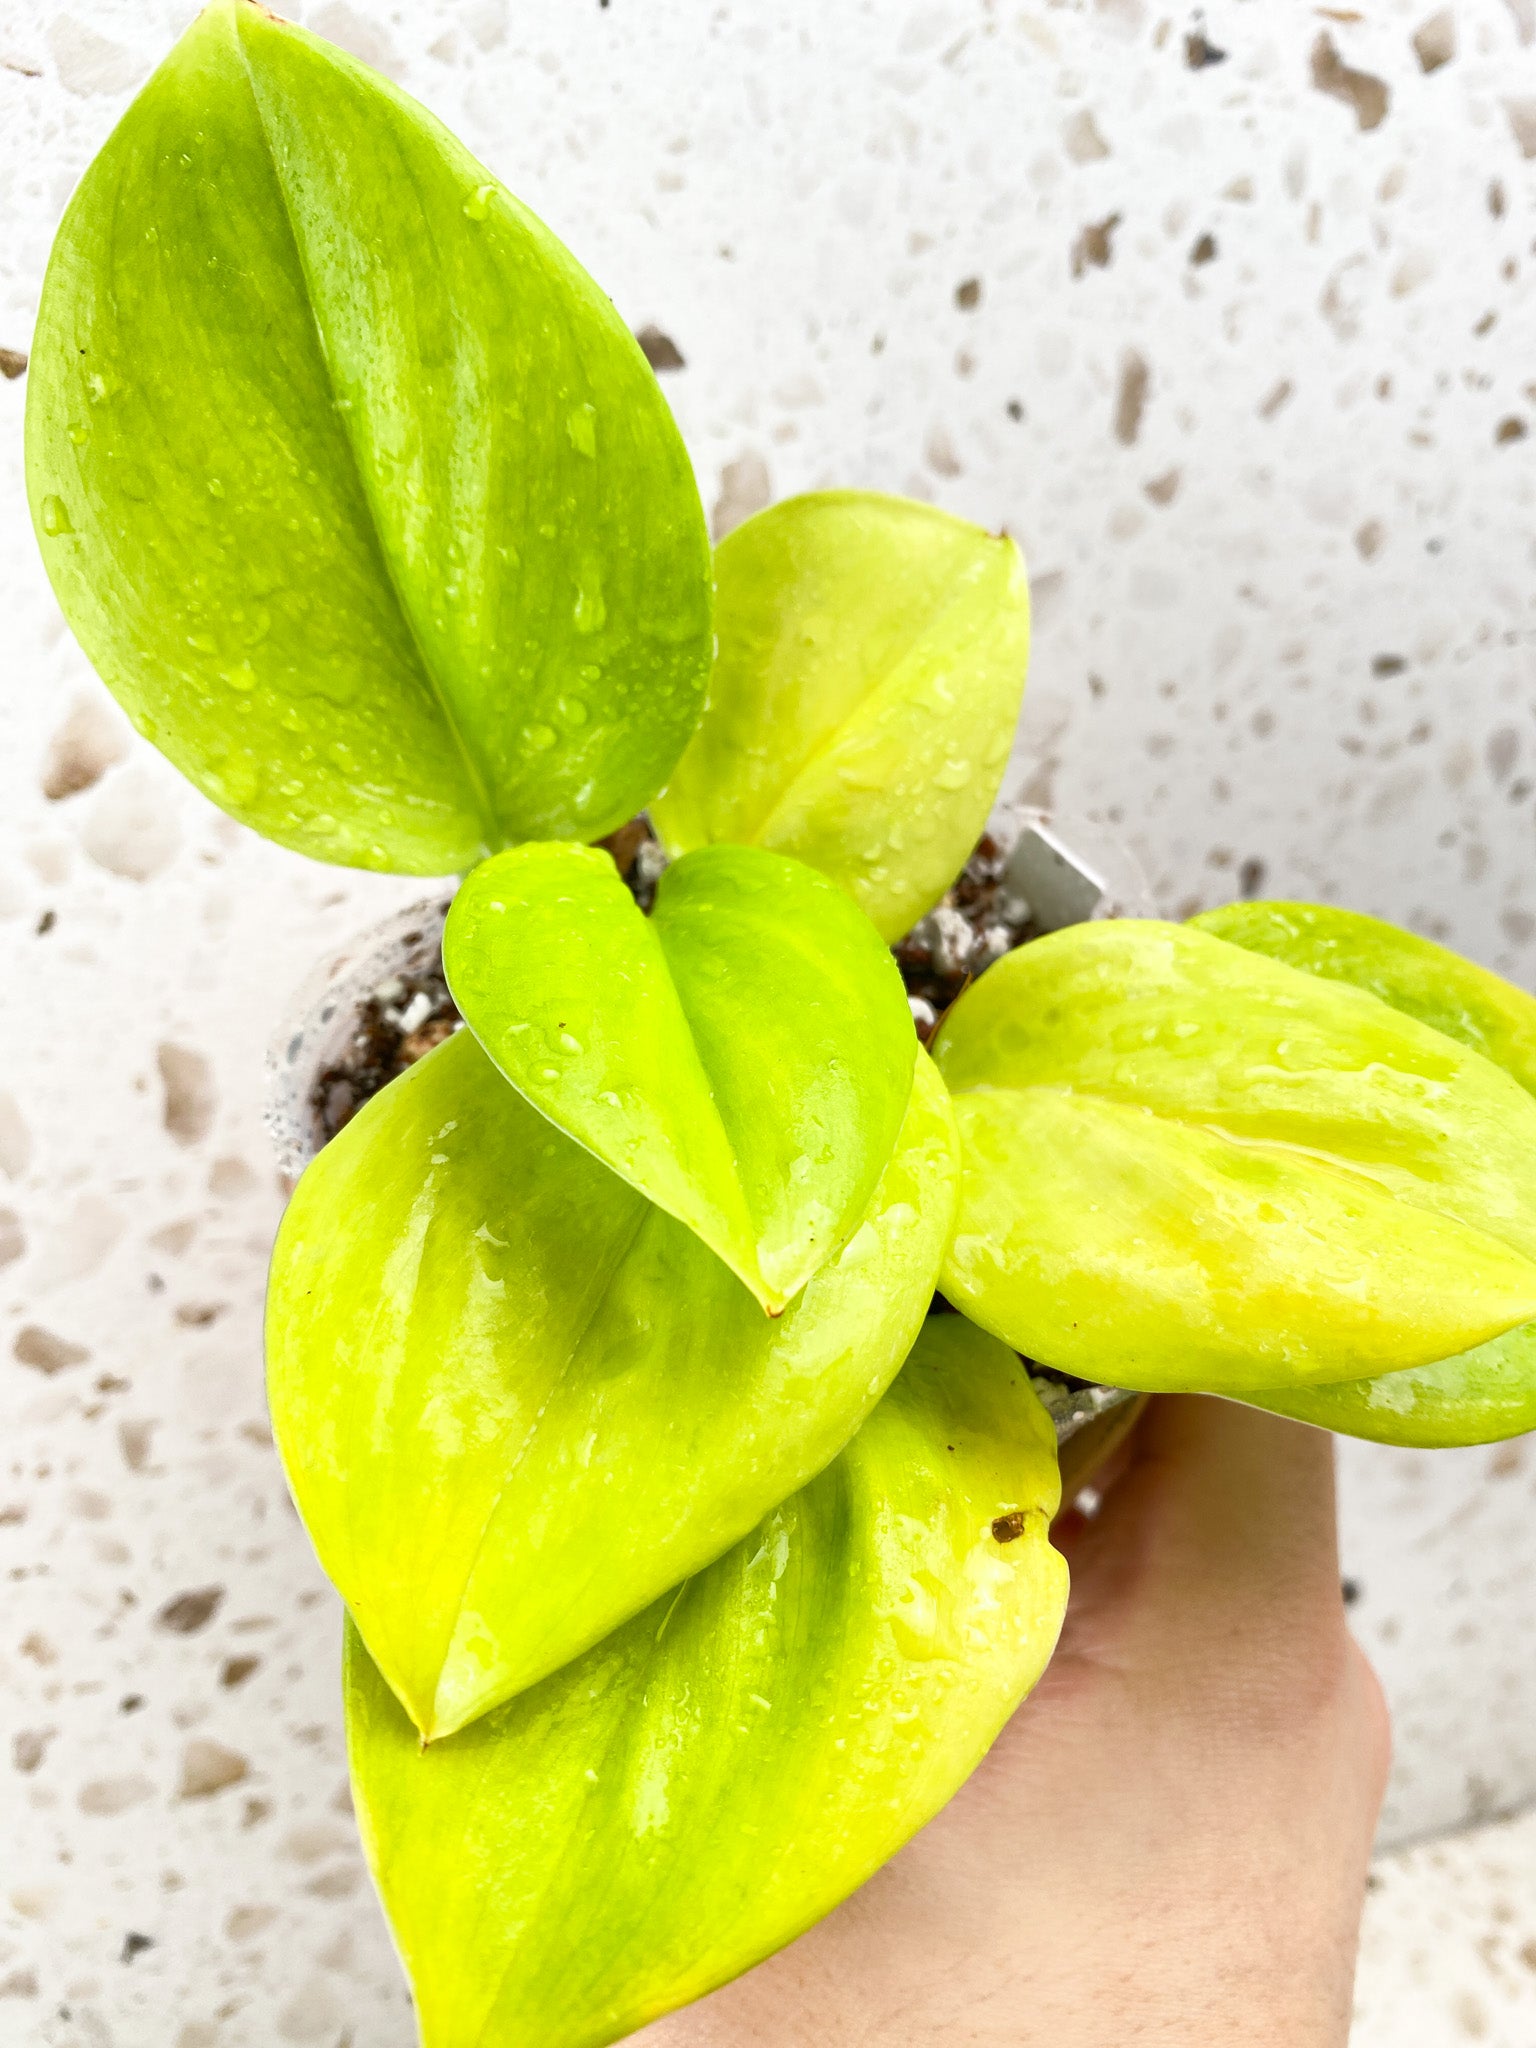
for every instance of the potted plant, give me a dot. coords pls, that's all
(691, 1562)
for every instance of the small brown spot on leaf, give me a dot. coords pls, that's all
(237, 1670)
(189, 1612)
(1368, 95)
(45, 1352)
(1010, 1527)
(968, 294)
(1131, 396)
(1388, 664)
(187, 1081)
(1204, 250)
(1095, 247)
(660, 350)
(208, 1767)
(1511, 429)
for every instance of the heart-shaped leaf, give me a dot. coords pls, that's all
(1189, 1166)
(1487, 1393)
(743, 1056)
(349, 480)
(718, 1774)
(515, 1401)
(867, 685)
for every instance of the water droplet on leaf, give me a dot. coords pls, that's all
(590, 612)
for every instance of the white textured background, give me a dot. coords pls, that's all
(1244, 363)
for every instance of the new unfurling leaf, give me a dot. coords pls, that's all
(1190, 1166)
(515, 1401)
(716, 1775)
(349, 480)
(871, 662)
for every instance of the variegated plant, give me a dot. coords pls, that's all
(690, 1564)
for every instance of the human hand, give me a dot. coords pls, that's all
(1168, 1843)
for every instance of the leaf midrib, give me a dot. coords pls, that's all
(491, 832)
(960, 587)
(574, 1346)
(1291, 1153)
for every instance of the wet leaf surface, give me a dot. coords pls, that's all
(421, 568)
(1190, 1166)
(742, 1056)
(870, 669)
(515, 1401)
(715, 1776)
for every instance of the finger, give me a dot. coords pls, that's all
(1223, 1518)
(1252, 1493)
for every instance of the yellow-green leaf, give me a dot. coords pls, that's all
(715, 1776)
(515, 1401)
(349, 480)
(871, 662)
(1413, 974)
(1481, 1395)
(1190, 1166)
(743, 1056)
